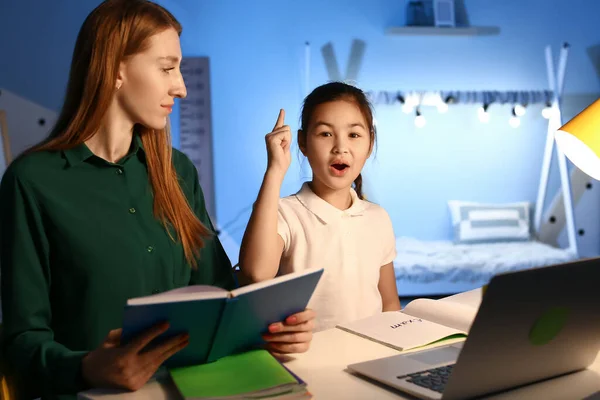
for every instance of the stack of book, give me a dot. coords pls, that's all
(254, 374)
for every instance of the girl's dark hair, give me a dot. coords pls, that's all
(333, 91)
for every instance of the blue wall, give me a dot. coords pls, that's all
(257, 56)
(257, 67)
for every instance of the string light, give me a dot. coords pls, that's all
(519, 110)
(420, 120)
(442, 106)
(547, 111)
(484, 115)
(406, 108)
(514, 120)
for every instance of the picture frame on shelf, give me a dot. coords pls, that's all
(444, 14)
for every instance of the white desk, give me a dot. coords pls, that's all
(323, 369)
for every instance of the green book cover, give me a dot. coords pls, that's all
(233, 375)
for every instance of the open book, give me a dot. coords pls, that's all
(219, 322)
(422, 322)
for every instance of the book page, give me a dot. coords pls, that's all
(471, 298)
(453, 315)
(400, 331)
(270, 282)
(186, 293)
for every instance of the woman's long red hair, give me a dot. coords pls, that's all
(114, 31)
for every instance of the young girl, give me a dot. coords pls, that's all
(327, 223)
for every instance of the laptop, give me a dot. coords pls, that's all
(531, 325)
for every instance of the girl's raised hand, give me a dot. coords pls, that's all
(278, 146)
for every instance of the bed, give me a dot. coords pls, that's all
(442, 267)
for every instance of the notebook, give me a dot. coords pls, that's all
(254, 374)
(421, 323)
(218, 321)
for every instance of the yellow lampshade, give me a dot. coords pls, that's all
(579, 140)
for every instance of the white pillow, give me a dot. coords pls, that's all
(486, 223)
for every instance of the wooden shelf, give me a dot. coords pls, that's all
(442, 31)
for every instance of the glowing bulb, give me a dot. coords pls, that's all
(514, 121)
(484, 116)
(482, 112)
(547, 112)
(442, 107)
(420, 121)
(519, 110)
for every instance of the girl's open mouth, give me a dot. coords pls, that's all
(339, 169)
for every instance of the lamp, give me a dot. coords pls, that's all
(579, 140)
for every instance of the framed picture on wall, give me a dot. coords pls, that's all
(5, 154)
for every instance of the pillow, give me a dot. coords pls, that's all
(487, 223)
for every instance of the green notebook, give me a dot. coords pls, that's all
(252, 373)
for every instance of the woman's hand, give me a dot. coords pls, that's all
(292, 335)
(130, 366)
(278, 146)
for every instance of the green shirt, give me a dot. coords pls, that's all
(78, 238)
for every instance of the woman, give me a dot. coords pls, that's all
(105, 210)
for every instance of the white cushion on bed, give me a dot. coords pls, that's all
(484, 223)
(428, 261)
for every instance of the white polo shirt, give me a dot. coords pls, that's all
(351, 245)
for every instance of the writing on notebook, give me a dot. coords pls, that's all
(420, 323)
(407, 322)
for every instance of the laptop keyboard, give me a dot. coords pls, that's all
(433, 379)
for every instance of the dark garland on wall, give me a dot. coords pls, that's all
(412, 101)
(523, 97)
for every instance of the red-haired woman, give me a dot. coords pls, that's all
(105, 210)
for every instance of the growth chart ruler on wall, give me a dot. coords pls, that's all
(195, 132)
(550, 230)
